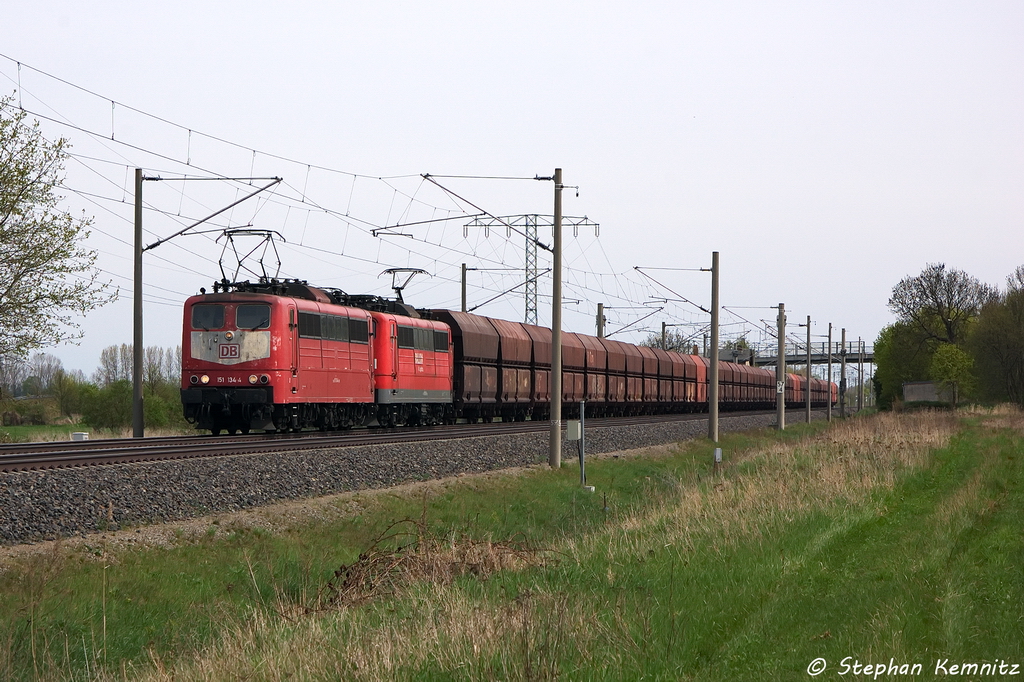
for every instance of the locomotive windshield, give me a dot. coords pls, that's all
(252, 317)
(207, 316)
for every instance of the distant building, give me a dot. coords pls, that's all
(925, 392)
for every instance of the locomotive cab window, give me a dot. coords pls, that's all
(207, 316)
(253, 317)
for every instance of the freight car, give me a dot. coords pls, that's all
(283, 355)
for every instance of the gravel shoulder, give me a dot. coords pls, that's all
(162, 503)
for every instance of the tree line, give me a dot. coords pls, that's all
(102, 401)
(955, 330)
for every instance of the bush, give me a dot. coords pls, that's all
(36, 411)
(163, 411)
(110, 407)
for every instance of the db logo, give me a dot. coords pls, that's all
(228, 351)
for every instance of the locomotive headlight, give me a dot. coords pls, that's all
(229, 335)
(264, 379)
(253, 378)
(205, 379)
(193, 380)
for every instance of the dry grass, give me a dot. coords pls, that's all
(1001, 409)
(44, 434)
(332, 639)
(1001, 416)
(407, 553)
(841, 465)
(445, 630)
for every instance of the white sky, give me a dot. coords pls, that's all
(825, 149)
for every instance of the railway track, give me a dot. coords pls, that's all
(55, 455)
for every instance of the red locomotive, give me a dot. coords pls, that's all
(280, 355)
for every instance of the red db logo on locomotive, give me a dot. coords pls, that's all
(229, 351)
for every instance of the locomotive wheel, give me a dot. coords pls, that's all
(413, 417)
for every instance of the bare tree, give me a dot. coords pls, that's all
(153, 365)
(44, 367)
(1015, 281)
(940, 302)
(675, 340)
(126, 360)
(172, 364)
(13, 372)
(159, 365)
(115, 365)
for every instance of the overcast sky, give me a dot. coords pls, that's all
(826, 150)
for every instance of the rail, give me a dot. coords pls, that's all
(34, 456)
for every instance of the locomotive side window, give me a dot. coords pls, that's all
(440, 341)
(252, 317)
(358, 330)
(309, 325)
(335, 328)
(424, 339)
(207, 316)
(406, 337)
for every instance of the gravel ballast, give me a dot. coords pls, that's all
(50, 504)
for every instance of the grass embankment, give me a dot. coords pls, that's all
(896, 536)
(60, 432)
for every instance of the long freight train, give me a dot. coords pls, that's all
(283, 355)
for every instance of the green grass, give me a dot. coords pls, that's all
(24, 434)
(861, 541)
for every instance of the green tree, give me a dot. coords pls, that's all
(902, 353)
(951, 368)
(997, 344)
(933, 309)
(47, 276)
(68, 388)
